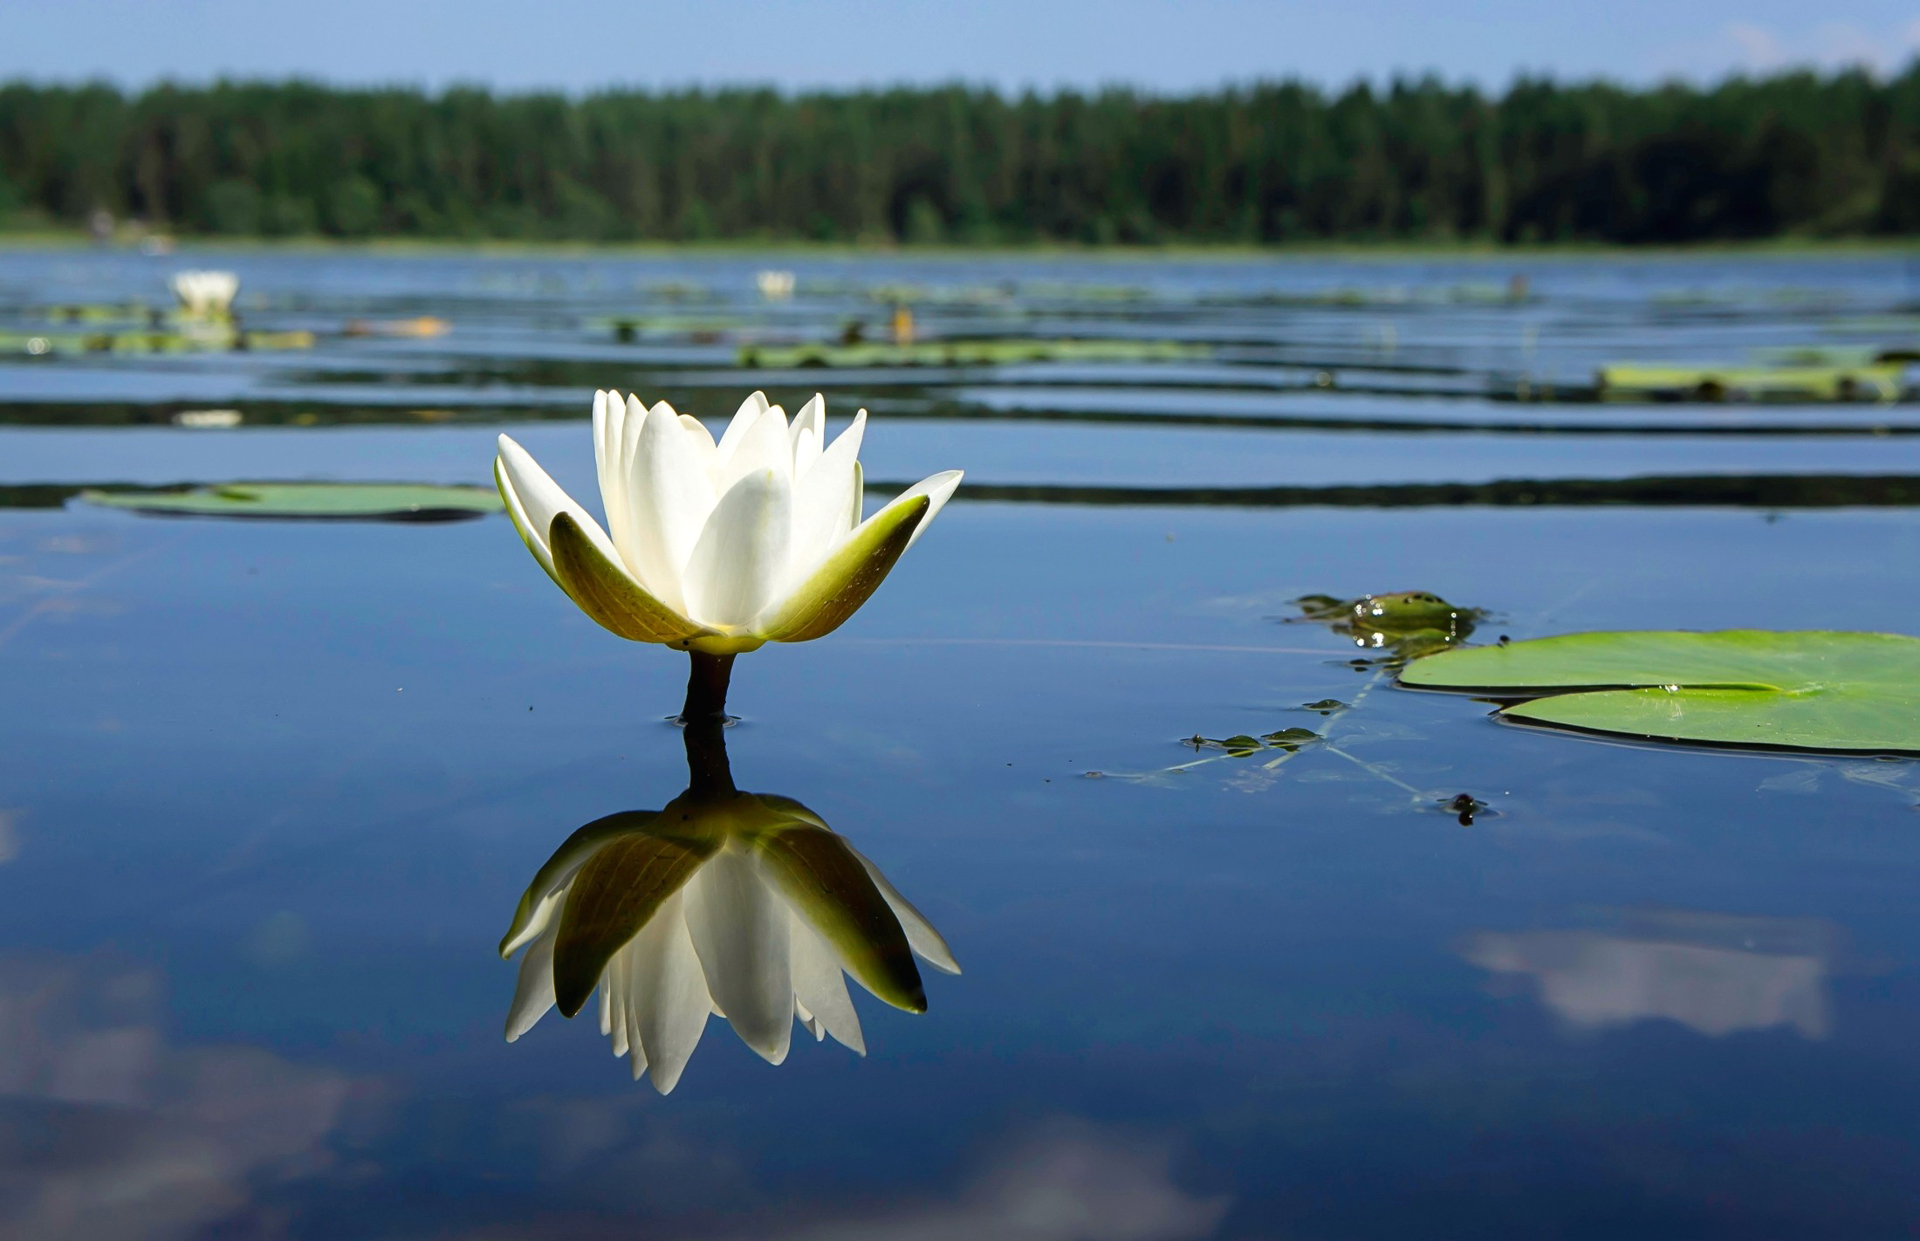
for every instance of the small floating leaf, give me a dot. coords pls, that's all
(311, 501)
(1004, 351)
(1291, 738)
(1808, 690)
(1633, 381)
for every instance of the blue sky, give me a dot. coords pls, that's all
(1167, 45)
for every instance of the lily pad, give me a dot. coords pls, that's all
(1810, 690)
(1632, 381)
(992, 352)
(309, 501)
(1403, 624)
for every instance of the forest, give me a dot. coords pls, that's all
(1791, 155)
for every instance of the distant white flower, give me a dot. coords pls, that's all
(202, 419)
(717, 547)
(206, 294)
(775, 286)
(741, 905)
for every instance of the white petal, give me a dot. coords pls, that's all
(534, 500)
(921, 936)
(670, 992)
(610, 415)
(939, 489)
(670, 500)
(739, 929)
(740, 560)
(744, 417)
(533, 989)
(701, 439)
(823, 500)
(806, 451)
(821, 989)
(764, 446)
(812, 417)
(848, 441)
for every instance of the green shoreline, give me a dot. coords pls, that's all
(1386, 251)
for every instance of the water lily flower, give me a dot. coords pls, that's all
(741, 905)
(774, 285)
(206, 294)
(717, 547)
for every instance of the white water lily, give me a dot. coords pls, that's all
(775, 286)
(739, 905)
(206, 294)
(717, 547)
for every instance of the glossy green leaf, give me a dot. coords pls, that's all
(309, 501)
(1812, 690)
(615, 894)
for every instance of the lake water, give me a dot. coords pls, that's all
(269, 791)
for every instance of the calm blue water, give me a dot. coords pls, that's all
(269, 791)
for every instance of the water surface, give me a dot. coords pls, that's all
(269, 791)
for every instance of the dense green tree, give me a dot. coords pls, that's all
(1793, 154)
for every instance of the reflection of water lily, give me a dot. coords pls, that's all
(717, 547)
(206, 294)
(739, 904)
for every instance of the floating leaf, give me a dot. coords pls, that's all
(309, 501)
(996, 352)
(1242, 744)
(1403, 624)
(1632, 381)
(1813, 690)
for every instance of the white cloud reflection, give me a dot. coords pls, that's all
(107, 1132)
(1714, 974)
(1071, 1181)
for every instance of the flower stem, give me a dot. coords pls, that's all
(707, 688)
(703, 723)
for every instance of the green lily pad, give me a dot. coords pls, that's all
(992, 352)
(309, 501)
(1810, 690)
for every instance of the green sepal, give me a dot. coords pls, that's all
(849, 577)
(607, 593)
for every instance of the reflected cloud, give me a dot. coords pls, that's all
(745, 906)
(107, 1132)
(1071, 1182)
(1715, 974)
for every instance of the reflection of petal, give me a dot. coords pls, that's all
(669, 993)
(739, 929)
(825, 884)
(533, 991)
(926, 941)
(820, 989)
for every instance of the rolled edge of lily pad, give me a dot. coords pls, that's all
(717, 546)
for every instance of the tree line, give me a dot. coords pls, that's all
(1794, 154)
